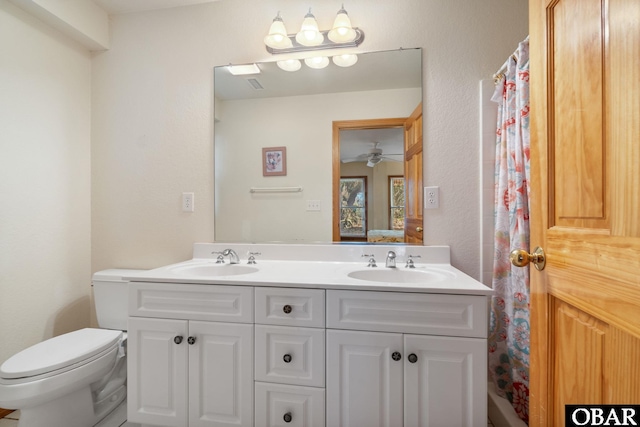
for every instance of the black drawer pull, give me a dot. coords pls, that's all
(177, 339)
(287, 309)
(287, 417)
(287, 358)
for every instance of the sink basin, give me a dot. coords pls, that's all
(213, 270)
(397, 275)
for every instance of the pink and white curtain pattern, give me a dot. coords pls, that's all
(509, 320)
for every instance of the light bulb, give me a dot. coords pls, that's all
(289, 65)
(345, 60)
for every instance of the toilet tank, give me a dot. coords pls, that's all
(111, 298)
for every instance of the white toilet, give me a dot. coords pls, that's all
(75, 379)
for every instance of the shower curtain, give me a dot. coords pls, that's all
(509, 320)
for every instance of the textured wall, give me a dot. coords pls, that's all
(152, 130)
(45, 113)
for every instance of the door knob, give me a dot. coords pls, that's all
(419, 229)
(521, 258)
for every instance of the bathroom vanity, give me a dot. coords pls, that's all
(308, 336)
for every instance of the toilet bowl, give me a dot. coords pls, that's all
(75, 379)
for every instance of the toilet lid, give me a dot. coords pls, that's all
(59, 352)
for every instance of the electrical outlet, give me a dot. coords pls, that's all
(187, 202)
(313, 205)
(431, 197)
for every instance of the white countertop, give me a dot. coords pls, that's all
(321, 266)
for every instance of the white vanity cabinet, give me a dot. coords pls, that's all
(189, 363)
(290, 357)
(267, 356)
(406, 359)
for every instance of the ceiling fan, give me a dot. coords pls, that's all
(373, 156)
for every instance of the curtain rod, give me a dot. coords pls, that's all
(500, 73)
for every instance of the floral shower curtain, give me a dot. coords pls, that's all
(509, 321)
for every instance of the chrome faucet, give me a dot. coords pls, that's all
(233, 256)
(391, 260)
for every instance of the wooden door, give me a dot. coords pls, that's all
(413, 177)
(364, 382)
(585, 195)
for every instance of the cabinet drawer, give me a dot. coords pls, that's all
(433, 314)
(289, 355)
(304, 406)
(290, 307)
(196, 302)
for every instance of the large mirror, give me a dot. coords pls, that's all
(308, 124)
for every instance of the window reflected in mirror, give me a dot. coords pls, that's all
(353, 208)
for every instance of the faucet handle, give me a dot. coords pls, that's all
(372, 261)
(410, 263)
(252, 257)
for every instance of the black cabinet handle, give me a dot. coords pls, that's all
(287, 417)
(412, 358)
(287, 358)
(191, 340)
(287, 309)
(396, 356)
(177, 339)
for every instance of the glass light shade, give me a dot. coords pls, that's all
(277, 37)
(342, 32)
(309, 35)
(289, 65)
(346, 60)
(317, 62)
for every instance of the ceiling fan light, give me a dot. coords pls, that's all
(346, 60)
(277, 37)
(309, 35)
(370, 164)
(317, 62)
(342, 31)
(290, 65)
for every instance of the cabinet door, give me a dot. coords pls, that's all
(220, 374)
(157, 366)
(364, 383)
(445, 383)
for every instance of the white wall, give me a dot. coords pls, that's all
(247, 125)
(153, 112)
(45, 112)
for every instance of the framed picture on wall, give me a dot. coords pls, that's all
(274, 161)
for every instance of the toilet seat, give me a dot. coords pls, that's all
(59, 354)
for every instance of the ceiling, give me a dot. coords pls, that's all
(115, 7)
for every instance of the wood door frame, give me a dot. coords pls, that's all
(351, 125)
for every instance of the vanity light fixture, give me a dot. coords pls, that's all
(244, 70)
(310, 37)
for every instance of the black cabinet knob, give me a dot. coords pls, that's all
(191, 340)
(177, 339)
(412, 358)
(287, 309)
(287, 358)
(396, 356)
(287, 417)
